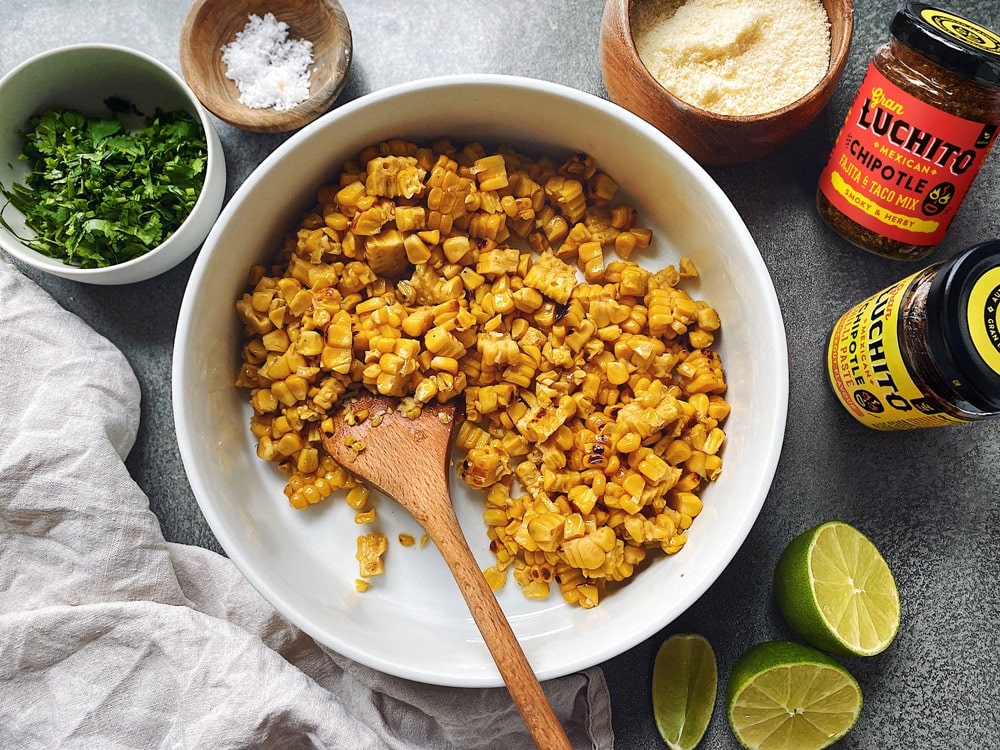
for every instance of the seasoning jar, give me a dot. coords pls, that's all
(925, 351)
(912, 143)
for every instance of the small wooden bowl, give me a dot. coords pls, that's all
(211, 24)
(713, 139)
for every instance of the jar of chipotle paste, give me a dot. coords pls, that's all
(912, 143)
(925, 351)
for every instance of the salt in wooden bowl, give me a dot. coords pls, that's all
(212, 24)
(713, 139)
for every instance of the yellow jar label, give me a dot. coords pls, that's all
(867, 370)
(963, 30)
(982, 315)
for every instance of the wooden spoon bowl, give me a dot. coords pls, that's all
(713, 139)
(407, 459)
(211, 24)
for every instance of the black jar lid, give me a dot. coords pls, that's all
(963, 324)
(962, 46)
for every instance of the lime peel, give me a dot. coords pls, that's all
(685, 682)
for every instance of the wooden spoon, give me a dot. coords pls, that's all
(407, 459)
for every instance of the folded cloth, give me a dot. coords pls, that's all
(112, 637)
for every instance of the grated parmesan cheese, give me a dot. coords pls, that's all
(734, 57)
(269, 69)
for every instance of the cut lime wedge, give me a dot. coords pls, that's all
(685, 680)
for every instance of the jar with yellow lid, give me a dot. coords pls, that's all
(925, 351)
(922, 123)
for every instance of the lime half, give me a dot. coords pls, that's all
(685, 679)
(788, 696)
(837, 592)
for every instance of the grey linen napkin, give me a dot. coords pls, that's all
(112, 637)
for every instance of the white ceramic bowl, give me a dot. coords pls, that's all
(413, 621)
(81, 77)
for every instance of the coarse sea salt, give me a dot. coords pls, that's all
(269, 69)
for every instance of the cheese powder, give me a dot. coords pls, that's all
(734, 57)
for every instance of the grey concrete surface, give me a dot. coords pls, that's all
(930, 499)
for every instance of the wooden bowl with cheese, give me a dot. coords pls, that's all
(728, 84)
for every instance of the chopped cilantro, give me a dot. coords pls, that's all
(100, 193)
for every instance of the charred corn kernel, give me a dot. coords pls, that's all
(652, 467)
(634, 484)
(713, 467)
(677, 452)
(536, 589)
(688, 481)
(701, 339)
(276, 341)
(498, 262)
(426, 390)
(718, 408)
(496, 578)
(308, 460)
(471, 280)
(491, 172)
(527, 299)
(546, 530)
(602, 187)
(263, 401)
(289, 444)
(495, 517)
(628, 442)
(591, 260)
(714, 440)
(415, 249)
(700, 403)
(442, 343)
(552, 277)
(583, 553)
(685, 503)
(568, 195)
(708, 319)
(357, 497)
(625, 244)
(370, 548)
(484, 465)
(583, 497)
(445, 364)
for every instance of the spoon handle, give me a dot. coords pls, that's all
(544, 727)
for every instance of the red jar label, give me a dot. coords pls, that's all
(899, 166)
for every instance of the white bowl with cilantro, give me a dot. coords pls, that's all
(111, 171)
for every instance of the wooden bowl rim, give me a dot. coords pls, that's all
(839, 50)
(229, 109)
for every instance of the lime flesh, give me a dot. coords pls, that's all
(836, 591)
(788, 696)
(685, 680)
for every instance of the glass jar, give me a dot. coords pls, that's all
(925, 351)
(922, 123)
